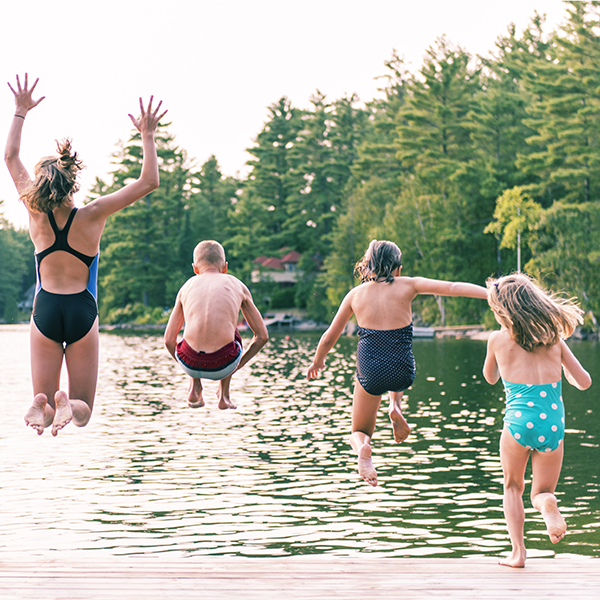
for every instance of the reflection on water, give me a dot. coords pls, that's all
(276, 476)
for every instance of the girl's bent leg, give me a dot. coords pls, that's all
(399, 425)
(364, 415)
(82, 367)
(514, 459)
(546, 468)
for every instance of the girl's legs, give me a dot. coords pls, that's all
(82, 368)
(514, 459)
(399, 425)
(364, 415)
(545, 473)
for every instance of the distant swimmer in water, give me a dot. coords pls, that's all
(64, 324)
(209, 304)
(529, 353)
(385, 362)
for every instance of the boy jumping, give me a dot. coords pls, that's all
(209, 304)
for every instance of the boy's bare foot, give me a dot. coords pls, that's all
(63, 413)
(515, 559)
(399, 425)
(555, 523)
(365, 465)
(35, 416)
(195, 399)
(225, 403)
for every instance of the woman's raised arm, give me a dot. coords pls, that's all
(24, 102)
(148, 180)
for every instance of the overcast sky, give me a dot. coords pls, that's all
(217, 65)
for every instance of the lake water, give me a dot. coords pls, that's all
(277, 477)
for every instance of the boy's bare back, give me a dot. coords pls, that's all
(211, 304)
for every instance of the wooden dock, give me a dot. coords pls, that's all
(314, 577)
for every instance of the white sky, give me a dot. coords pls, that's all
(216, 64)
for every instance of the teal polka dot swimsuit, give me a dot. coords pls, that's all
(535, 414)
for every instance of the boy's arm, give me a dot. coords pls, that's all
(576, 375)
(491, 372)
(176, 321)
(258, 327)
(438, 287)
(330, 337)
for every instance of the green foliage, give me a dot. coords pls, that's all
(464, 147)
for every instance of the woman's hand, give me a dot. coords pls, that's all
(148, 121)
(23, 100)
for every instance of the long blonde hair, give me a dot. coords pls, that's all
(55, 180)
(533, 316)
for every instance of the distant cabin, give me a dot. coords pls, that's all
(282, 270)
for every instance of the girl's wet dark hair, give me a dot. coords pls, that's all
(55, 179)
(380, 261)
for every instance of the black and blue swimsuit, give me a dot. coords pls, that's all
(65, 318)
(384, 360)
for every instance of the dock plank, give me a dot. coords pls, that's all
(291, 578)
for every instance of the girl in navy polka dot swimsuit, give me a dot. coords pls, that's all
(528, 353)
(385, 362)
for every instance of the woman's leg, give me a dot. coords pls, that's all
(546, 468)
(46, 362)
(514, 459)
(364, 415)
(82, 367)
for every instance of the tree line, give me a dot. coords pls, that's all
(466, 164)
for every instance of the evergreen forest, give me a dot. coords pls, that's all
(473, 165)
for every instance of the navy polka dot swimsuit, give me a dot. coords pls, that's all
(384, 360)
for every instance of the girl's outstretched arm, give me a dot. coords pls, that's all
(331, 336)
(148, 179)
(576, 375)
(438, 287)
(24, 102)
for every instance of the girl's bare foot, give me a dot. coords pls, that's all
(515, 559)
(365, 465)
(555, 523)
(195, 399)
(36, 415)
(63, 413)
(399, 425)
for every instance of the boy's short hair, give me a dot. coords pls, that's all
(209, 252)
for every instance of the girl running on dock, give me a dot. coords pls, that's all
(64, 323)
(528, 353)
(385, 362)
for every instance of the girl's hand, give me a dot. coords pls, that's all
(148, 121)
(23, 100)
(314, 370)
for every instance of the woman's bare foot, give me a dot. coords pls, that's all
(365, 465)
(555, 524)
(195, 399)
(36, 415)
(63, 413)
(399, 425)
(515, 559)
